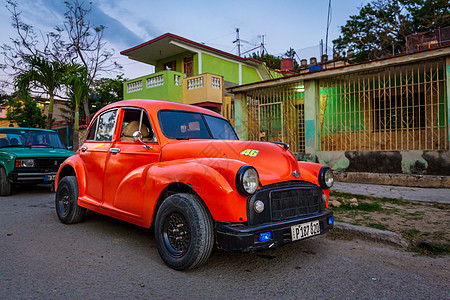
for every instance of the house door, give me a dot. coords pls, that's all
(188, 66)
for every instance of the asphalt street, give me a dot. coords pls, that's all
(103, 258)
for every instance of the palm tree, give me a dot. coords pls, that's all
(77, 81)
(44, 75)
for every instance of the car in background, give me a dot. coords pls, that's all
(29, 155)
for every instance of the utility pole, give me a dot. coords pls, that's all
(261, 47)
(328, 26)
(238, 41)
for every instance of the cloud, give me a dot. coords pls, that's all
(45, 15)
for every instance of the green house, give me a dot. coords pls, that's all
(192, 73)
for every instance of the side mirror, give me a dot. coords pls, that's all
(137, 136)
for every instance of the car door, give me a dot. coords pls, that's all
(94, 153)
(123, 191)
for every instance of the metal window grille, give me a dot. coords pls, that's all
(277, 114)
(398, 108)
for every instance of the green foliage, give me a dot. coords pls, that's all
(77, 81)
(25, 113)
(4, 98)
(381, 26)
(106, 91)
(274, 62)
(44, 75)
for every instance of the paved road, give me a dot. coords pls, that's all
(406, 193)
(104, 258)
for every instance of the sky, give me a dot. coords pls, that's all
(297, 24)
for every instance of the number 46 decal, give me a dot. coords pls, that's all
(250, 152)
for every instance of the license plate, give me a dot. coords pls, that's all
(305, 230)
(49, 177)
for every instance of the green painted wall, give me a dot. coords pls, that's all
(249, 75)
(214, 65)
(447, 79)
(346, 116)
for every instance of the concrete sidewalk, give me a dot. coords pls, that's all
(406, 193)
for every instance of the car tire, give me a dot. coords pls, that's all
(184, 232)
(66, 201)
(5, 185)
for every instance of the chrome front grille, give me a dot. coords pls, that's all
(49, 162)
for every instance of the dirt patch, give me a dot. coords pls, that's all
(424, 226)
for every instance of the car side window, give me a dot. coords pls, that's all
(105, 126)
(136, 120)
(91, 134)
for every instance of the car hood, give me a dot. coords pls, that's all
(272, 161)
(25, 152)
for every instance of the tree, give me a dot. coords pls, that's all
(25, 113)
(75, 41)
(381, 27)
(43, 75)
(106, 91)
(429, 14)
(85, 41)
(77, 82)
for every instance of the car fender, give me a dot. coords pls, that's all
(76, 163)
(7, 161)
(309, 171)
(208, 182)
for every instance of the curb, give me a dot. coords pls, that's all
(372, 234)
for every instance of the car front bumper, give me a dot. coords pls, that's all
(241, 238)
(32, 177)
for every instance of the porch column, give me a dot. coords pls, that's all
(240, 115)
(312, 110)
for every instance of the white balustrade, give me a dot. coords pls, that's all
(134, 86)
(195, 83)
(215, 83)
(177, 80)
(155, 81)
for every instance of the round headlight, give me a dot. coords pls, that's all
(326, 178)
(258, 206)
(247, 180)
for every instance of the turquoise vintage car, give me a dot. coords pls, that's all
(29, 155)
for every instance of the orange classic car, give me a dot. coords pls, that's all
(182, 170)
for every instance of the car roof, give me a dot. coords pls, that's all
(26, 128)
(156, 105)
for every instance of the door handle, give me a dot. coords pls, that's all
(84, 148)
(114, 150)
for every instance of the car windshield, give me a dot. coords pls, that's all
(10, 137)
(191, 125)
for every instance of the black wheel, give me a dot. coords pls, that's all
(183, 232)
(5, 185)
(66, 201)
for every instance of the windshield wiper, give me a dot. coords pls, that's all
(46, 145)
(182, 138)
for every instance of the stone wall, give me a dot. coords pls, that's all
(417, 162)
